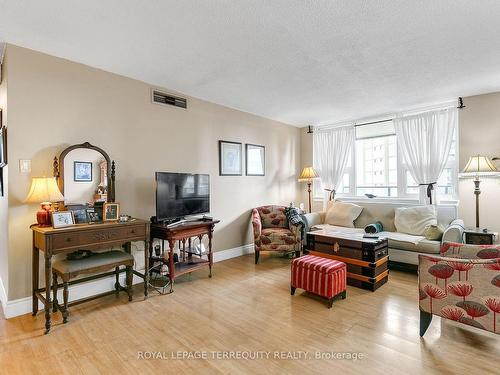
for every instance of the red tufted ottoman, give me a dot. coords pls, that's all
(322, 276)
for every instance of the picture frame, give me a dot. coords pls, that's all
(111, 211)
(255, 160)
(62, 219)
(93, 216)
(230, 158)
(79, 212)
(82, 171)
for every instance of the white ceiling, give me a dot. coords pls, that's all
(300, 62)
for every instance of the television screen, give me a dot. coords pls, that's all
(181, 194)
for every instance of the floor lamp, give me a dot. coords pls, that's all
(476, 166)
(308, 175)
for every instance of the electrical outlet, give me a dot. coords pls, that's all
(24, 166)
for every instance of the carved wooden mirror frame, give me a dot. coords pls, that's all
(59, 168)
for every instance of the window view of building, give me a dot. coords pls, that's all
(376, 168)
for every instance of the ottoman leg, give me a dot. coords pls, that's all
(343, 295)
(292, 290)
(330, 302)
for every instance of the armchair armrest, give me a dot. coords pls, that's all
(463, 251)
(455, 232)
(313, 219)
(435, 259)
(256, 224)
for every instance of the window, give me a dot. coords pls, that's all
(376, 160)
(376, 168)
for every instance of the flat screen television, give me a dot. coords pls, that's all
(181, 194)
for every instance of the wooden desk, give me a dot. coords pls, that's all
(184, 233)
(82, 236)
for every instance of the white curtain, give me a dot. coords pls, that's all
(331, 148)
(424, 141)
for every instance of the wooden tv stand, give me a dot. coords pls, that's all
(183, 232)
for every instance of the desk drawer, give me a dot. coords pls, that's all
(112, 234)
(65, 240)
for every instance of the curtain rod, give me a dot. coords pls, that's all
(391, 117)
(373, 122)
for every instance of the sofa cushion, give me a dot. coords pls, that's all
(423, 246)
(342, 214)
(414, 220)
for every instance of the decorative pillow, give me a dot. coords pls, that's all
(414, 220)
(342, 214)
(433, 232)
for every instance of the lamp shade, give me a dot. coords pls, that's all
(308, 174)
(480, 165)
(44, 189)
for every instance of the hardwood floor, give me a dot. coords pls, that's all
(245, 307)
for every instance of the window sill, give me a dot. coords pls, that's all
(346, 198)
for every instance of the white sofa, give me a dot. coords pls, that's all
(400, 252)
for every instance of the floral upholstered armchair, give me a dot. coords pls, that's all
(272, 232)
(463, 284)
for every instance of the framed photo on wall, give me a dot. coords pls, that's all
(255, 157)
(82, 171)
(230, 160)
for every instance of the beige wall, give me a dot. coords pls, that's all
(479, 124)
(54, 103)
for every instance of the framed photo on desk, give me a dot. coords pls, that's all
(62, 219)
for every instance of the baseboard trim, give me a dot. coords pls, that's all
(23, 306)
(3, 296)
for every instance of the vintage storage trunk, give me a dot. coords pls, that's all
(366, 258)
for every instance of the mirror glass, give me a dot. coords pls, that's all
(85, 177)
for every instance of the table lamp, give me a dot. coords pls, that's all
(44, 190)
(308, 175)
(476, 166)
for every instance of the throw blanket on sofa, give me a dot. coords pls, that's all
(293, 216)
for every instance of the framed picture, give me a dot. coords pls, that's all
(93, 216)
(79, 212)
(111, 211)
(82, 171)
(230, 163)
(255, 158)
(62, 219)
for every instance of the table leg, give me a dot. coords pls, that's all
(148, 253)
(171, 264)
(35, 276)
(210, 256)
(48, 287)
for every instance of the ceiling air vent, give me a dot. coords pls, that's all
(168, 99)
